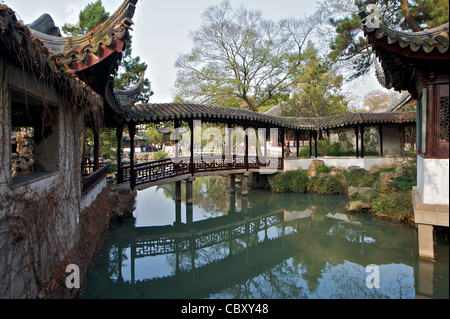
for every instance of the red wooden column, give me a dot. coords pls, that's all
(132, 130)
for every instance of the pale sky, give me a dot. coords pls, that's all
(161, 30)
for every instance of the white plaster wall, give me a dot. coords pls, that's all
(65, 184)
(391, 140)
(433, 180)
(339, 162)
(90, 197)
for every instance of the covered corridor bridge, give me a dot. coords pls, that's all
(236, 128)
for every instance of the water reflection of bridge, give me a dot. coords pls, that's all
(209, 251)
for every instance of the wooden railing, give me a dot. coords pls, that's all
(172, 167)
(91, 180)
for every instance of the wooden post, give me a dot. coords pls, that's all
(246, 146)
(119, 135)
(191, 127)
(310, 143)
(132, 130)
(176, 126)
(315, 144)
(83, 152)
(267, 132)
(96, 149)
(229, 156)
(297, 137)
(380, 137)
(357, 141)
(362, 141)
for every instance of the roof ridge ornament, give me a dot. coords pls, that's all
(373, 20)
(370, 15)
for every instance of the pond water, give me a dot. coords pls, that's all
(265, 245)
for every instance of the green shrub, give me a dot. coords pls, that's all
(299, 181)
(362, 178)
(386, 186)
(395, 205)
(405, 183)
(112, 169)
(292, 181)
(322, 169)
(327, 185)
(160, 155)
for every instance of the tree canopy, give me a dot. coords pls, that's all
(317, 91)
(90, 17)
(349, 45)
(242, 60)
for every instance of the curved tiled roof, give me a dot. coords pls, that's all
(402, 101)
(81, 52)
(435, 39)
(405, 55)
(144, 113)
(20, 46)
(129, 97)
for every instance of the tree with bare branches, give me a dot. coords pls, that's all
(240, 59)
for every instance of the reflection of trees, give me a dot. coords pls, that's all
(210, 193)
(278, 265)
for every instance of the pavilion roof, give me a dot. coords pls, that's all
(145, 113)
(405, 55)
(93, 57)
(82, 52)
(129, 97)
(20, 46)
